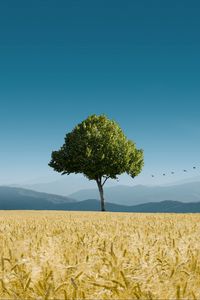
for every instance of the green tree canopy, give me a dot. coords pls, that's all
(98, 149)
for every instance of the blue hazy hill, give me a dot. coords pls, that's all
(21, 199)
(18, 198)
(131, 195)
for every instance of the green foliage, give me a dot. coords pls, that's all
(97, 148)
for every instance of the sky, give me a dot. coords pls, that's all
(135, 61)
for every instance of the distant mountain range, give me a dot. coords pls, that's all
(68, 185)
(132, 195)
(124, 194)
(18, 198)
(22, 199)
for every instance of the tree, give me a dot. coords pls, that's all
(99, 150)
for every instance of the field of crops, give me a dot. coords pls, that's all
(78, 255)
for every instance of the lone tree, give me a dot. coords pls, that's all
(99, 150)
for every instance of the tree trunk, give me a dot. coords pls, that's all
(100, 187)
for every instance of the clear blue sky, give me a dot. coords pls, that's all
(136, 61)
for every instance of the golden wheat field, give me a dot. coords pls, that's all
(95, 255)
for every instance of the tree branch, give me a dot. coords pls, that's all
(105, 180)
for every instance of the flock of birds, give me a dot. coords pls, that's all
(172, 172)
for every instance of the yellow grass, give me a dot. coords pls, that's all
(89, 255)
